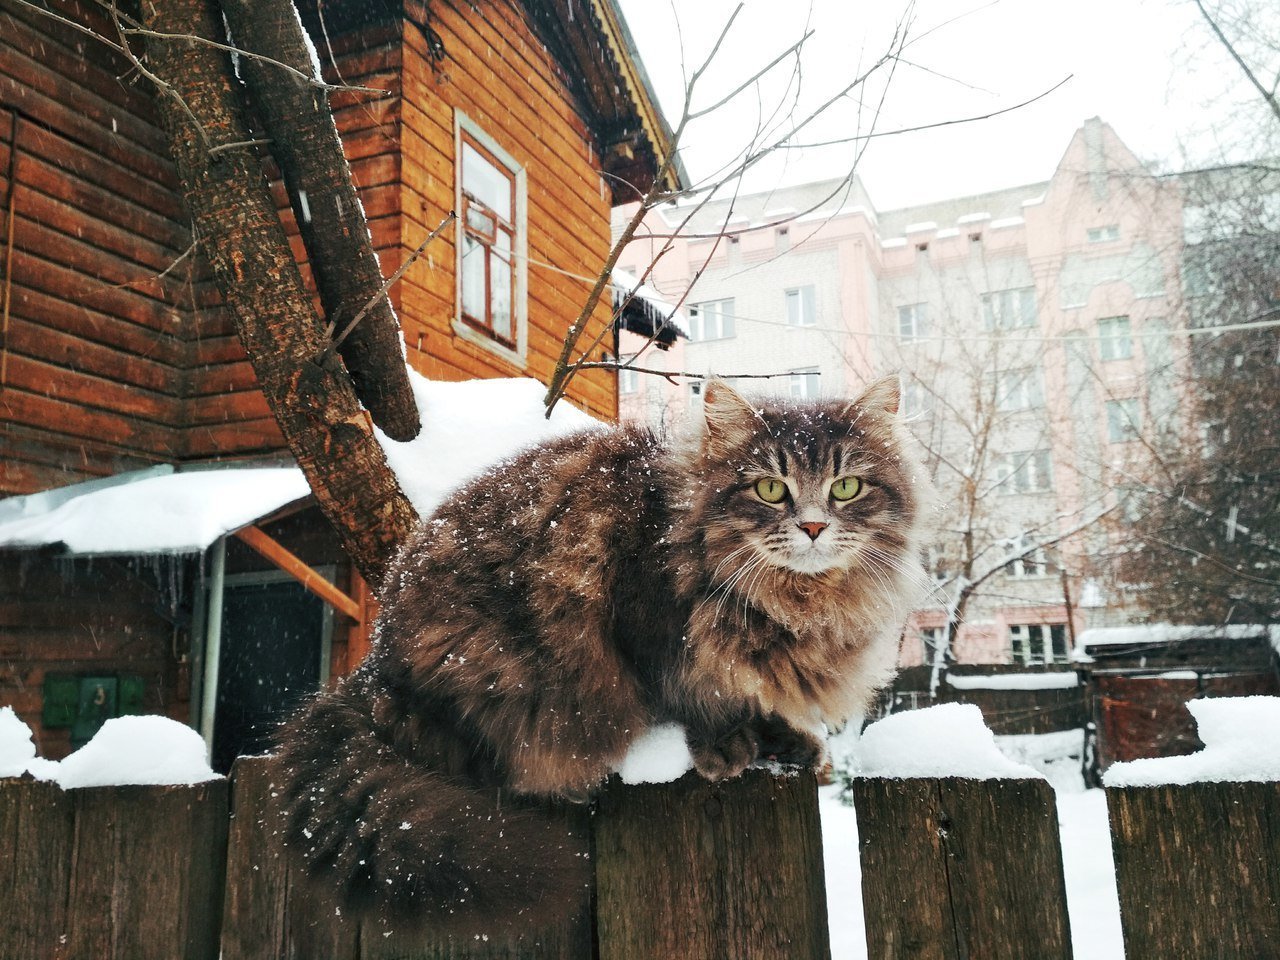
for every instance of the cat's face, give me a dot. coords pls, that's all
(809, 487)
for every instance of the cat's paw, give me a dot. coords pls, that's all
(726, 755)
(782, 743)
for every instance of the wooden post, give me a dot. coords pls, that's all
(704, 871)
(37, 823)
(272, 913)
(117, 873)
(1198, 869)
(954, 869)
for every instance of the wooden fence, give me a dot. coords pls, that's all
(950, 869)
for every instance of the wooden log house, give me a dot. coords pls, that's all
(527, 117)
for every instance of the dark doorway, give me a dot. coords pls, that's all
(273, 642)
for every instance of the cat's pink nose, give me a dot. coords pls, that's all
(812, 528)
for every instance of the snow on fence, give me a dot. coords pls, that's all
(951, 868)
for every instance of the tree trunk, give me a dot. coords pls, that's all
(240, 232)
(305, 143)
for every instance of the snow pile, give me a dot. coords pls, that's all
(1057, 680)
(16, 747)
(949, 740)
(659, 755)
(469, 426)
(150, 511)
(1241, 738)
(126, 750)
(1059, 756)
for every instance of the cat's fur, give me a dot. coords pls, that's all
(552, 610)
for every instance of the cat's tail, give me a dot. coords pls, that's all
(411, 846)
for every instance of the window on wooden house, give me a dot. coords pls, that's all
(491, 271)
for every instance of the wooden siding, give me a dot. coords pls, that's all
(118, 352)
(99, 617)
(498, 73)
(96, 342)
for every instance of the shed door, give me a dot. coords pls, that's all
(273, 644)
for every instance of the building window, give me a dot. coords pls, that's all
(491, 272)
(1123, 420)
(1114, 341)
(915, 399)
(1031, 560)
(1008, 309)
(628, 380)
(711, 320)
(913, 321)
(800, 310)
(1018, 389)
(1033, 643)
(1102, 234)
(1029, 471)
(803, 384)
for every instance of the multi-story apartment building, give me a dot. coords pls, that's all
(1034, 329)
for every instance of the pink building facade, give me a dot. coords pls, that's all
(1035, 330)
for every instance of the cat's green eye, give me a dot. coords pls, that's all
(847, 488)
(771, 490)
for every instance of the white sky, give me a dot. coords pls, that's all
(1148, 67)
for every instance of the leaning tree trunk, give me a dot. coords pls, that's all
(304, 141)
(240, 232)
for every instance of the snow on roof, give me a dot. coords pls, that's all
(158, 510)
(1241, 737)
(1169, 633)
(647, 298)
(467, 427)
(1056, 680)
(949, 740)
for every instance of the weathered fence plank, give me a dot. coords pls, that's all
(123, 873)
(272, 914)
(1198, 869)
(704, 871)
(37, 823)
(955, 868)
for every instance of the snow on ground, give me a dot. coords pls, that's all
(1086, 852)
(1241, 738)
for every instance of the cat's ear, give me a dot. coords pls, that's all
(727, 417)
(883, 396)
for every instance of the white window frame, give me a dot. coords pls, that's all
(913, 321)
(804, 384)
(1124, 420)
(800, 305)
(708, 314)
(1011, 309)
(1025, 471)
(1115, 338)
(517, 356)
(1035, 563)
(1032, 643)
(1019, 388)
(1103, 234)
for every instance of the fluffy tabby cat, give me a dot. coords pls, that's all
(749, 583)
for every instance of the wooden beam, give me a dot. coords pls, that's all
(296, 568)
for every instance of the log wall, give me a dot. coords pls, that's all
(118, 353)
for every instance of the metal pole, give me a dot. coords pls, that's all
(213, 642)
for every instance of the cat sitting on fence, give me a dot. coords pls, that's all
(749, 582)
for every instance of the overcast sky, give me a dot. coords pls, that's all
(1147, 67)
